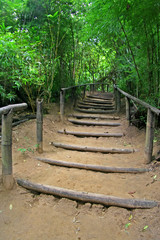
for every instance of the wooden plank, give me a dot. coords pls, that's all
(114, 124)
(96, 168)
(88, 197)
(90, 134)
(92, 149)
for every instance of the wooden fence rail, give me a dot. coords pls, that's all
(151, 113)
(6, 145)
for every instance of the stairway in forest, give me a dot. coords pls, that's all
(92, 139)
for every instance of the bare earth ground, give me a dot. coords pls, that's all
(28, 216)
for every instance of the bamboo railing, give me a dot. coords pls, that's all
(6, 144)
(150, 125)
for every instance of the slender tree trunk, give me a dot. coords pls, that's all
(133, 57)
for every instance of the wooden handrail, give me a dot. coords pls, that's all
(144, 104)
(150, 125)
(81, 85)
(15, 107)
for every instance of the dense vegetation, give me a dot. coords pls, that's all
(49, 44)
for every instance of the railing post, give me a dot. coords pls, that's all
(107, 87)
(7, 175)
(84, 91)
(128, 109)
(74, 97)
(93, 87)
(39, 117)
(102, 87)
(149, 136)
(62, 100)
(118, 100)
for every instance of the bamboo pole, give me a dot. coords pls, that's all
(7, 175)
(128, 114)
(62, 100)
(149, 136)
(39, 125)
(88, 197)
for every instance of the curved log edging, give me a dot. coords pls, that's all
(88, 197)
(96, 168)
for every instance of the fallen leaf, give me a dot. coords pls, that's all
(10, 206)
(145, 228)
(127, 225)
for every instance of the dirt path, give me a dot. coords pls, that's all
(28, 216)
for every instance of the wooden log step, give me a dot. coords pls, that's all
(94, 117)
(92, 149)
(114, 124)
(90, 134)
(95, 107)
(97, 101)
(95, 111)
(88, 197)
(95, 104)
(96, 168)
(98, 96)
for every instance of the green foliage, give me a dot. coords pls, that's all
(49, 44)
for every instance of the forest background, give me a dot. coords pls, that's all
(49, 44)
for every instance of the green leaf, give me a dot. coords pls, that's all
(145, 227)
(127, 225)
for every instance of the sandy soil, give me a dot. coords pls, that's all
(30, 216)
